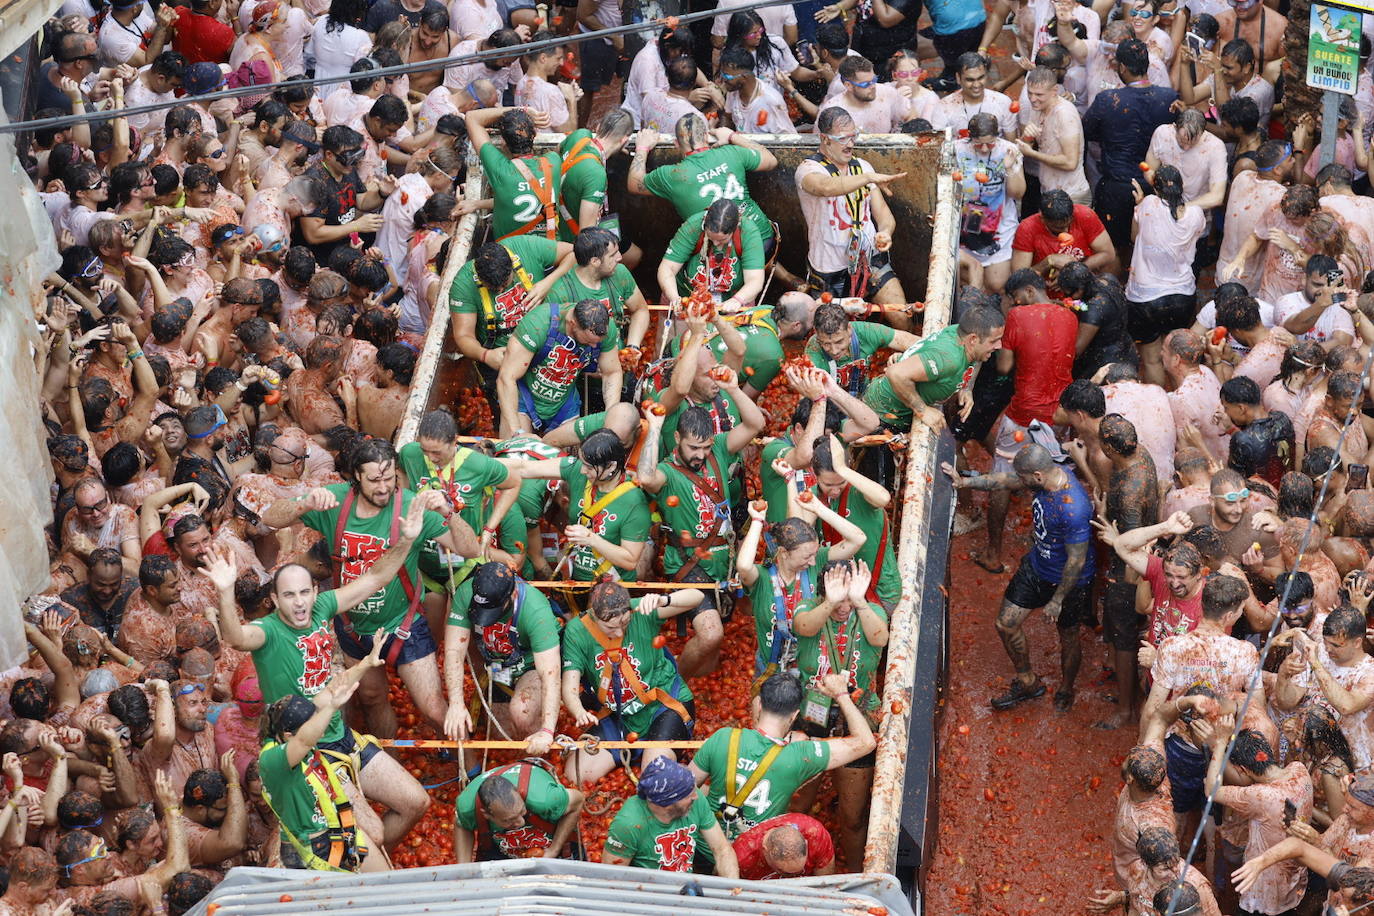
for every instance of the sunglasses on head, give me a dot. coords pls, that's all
(98, 852)
(221, 421)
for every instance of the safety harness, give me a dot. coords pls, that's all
(546, 223)
(488, 303)
(579, 153)
(619, 670)
(340, 827)
(591, 510)
(485, 838)
(413, 593)
(713, 489)
(735, 798)
(857, 206)
(784, 642)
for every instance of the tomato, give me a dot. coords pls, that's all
(285, 898)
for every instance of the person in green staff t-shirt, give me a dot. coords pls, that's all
(771, 777)
(524, 187)
(934, 368)
(498, 287)
(517, 638)
(369, 508)
(608, 514)
(786, 460)
(517, 811)
(481, 488)
(841, 632)
(776, 589)
(582, 195)
(842, 347)
(706, 173)
(533, 498)
(536, 389)
(616, 682)
(600, 275)
(716, 253)
(763, 330)
(693, 497)
(293, 649)
(303, 793)
(663, 826)
(863, 501)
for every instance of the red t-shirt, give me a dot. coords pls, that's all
(1169, 616)
(1032, 235)
(202, 39)
(820, 848)
(1042, 336)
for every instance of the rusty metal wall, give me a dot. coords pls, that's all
(650, 222)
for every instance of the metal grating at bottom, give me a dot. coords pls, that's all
(540, 886)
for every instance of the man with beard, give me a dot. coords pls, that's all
(181, 743)
(600, 275)
(696, 511)
(1055, 574)
(1230, 513)
(216, 818)
(360, 520)
(293, 652)
(432, 39)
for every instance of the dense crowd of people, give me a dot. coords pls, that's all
(1162, 333)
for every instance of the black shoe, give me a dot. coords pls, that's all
(1017, 693)
(1063, 699)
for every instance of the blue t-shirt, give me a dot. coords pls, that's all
(950, 16)
(1060, 518)
(1123, 121)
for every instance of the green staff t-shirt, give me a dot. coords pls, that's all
(535, 630)
(798, 762)
(551, 379)
(364, 540)
(624, 521)
(691, 185)
(516, 203)
(947, 371)
(300, 662)
(637, 835)
(536, 256)
(582, 653)
(720, 271)
(545, 797)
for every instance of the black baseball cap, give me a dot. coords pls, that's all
(493, 584)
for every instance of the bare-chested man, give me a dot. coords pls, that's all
(310, 392)
(433, 40)
(1132, 502)
(381, 406)
(239, 300)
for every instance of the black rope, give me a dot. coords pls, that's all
(383, 72)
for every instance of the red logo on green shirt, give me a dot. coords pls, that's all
(316, 648)
(676, 848)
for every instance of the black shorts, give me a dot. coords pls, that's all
(599, 62)
(420, 643)
(666, 726)
(1149, 321)
(720, 600)
(837, 283)
(991, 395)
(1028, 590)
(1121, 623)
(362, 748)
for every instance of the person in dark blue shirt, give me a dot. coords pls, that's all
(1056, 574)
(1122, 122)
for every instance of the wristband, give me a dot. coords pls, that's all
(134, 354)
(173, 809)
(212, 362)
(238, 383)
(231, 785)
(821, 399)
(549, 731)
